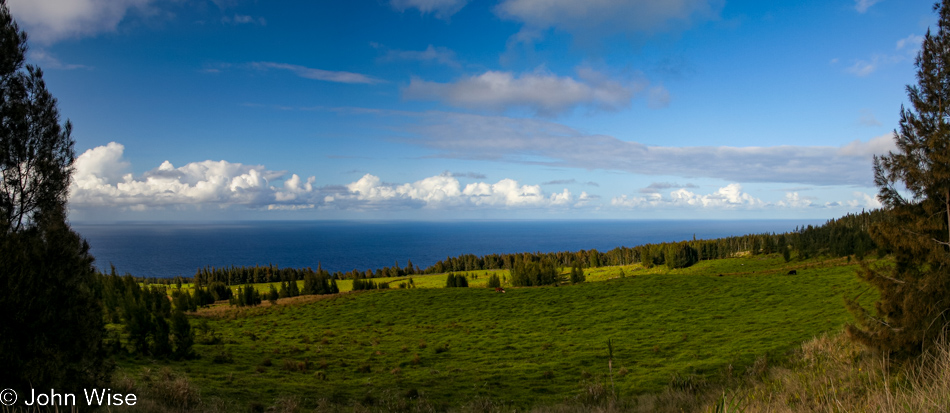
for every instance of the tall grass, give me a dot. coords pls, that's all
(832, 374)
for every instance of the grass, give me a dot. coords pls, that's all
(834, 374)
(527, 347)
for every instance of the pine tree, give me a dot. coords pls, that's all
(494, 281)
(182, 337)
(51, 334)
(914, 303)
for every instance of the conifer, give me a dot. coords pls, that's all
(914, 187)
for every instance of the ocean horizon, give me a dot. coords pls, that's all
(169, 249)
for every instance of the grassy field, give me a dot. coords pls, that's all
(523, 347)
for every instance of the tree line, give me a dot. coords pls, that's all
(838, 237)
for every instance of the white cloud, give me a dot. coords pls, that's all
(47, 61)
(445, 190)
(48, 21)
(876, 146)
(794, 200)
(913, 41)
(862, 68)
(655, 187)
(441, 55)
(243, 19)
(864, 201)
(729, 196)
(100, 165)
(541, 92)
(862, 6)
(319, 74)
(532, 141)
(102, 180)
(604, 17)
(442, 9)
(732, 197)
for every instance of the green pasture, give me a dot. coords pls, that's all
(523, 347)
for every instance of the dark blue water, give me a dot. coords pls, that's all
(170, 249)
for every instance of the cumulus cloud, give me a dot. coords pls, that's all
(48, 21)
(445, 190)
(541, 92)
(794, 200)
(604, 17)
(319, 74)
(864, 201)
(102, 179)
(533, 141)
(441, 9)
(732, 197)
(862, 6)
(727, 197)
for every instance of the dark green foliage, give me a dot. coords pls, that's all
(577, 275)
(360, 284)
(203, 297)
(52, 330)
(319, 284)
(525, 272)
(145, 314)
(184, 301)
(494, 281)
(783, 246)
(681, 255)
(161, 343)
(182, 337)
(273, 295)
(914, 305)
(219, 291)
(247, 296)
(456, 281)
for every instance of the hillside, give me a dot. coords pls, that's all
(526, 347)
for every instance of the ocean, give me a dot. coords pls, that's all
(154, 249)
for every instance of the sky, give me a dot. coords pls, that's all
(461, 109)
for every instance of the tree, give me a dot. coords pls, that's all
(52, 331)
(914, 187)
(182, 336)
(494, 281)
(577, 274)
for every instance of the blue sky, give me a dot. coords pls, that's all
(455, 109)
